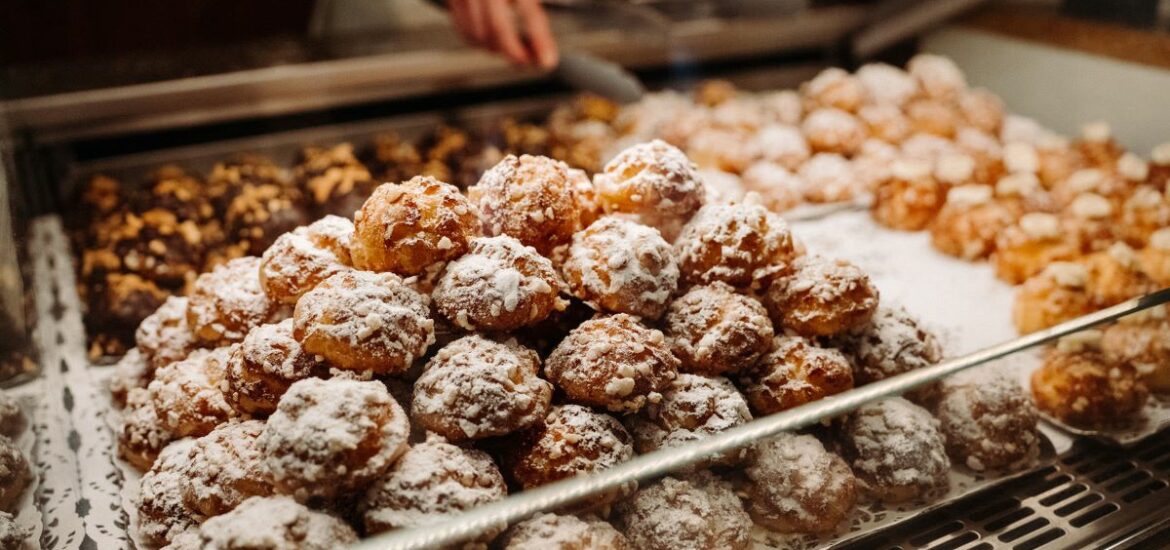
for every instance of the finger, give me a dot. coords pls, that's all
(504, 33)
(461, 19)
(477, 13)
(539, 32)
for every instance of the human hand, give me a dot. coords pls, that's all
(492, 24)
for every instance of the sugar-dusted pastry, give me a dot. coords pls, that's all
(655, 182)
(361, 321)
(621, 266)
(572, 440)
(697, 512)
(329, 438)
(563, 532)
(229, 301)
(1081, 385)
(909, 197)
(714, 330)
(275, 522)
(537, 200)
(817, 296)
(475, 388)
(405, 228)
(264, 365)
(499, 285)
(988, 421)
(798, 486)
(1025, 248)
(299, 260)
(896, 450)
(614, 362)
(692, 407)
(831, 130)
(1057, 294)
(431, 482)
(739, 244)
(968, 224)
(795, 372)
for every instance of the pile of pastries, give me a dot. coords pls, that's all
(443, 349)
(139, 244)
(1080, 224)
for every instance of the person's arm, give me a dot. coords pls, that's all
(492, 24)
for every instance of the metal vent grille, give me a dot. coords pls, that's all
(1094, 495)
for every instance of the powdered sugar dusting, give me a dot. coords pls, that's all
(695, 512)
(332, 436)
(733, 243)
(432, 480)
(896, 448)
(499, 284)
(475, 388)
(799, 486)
(275, 522)
(622, 266)
(692, 407)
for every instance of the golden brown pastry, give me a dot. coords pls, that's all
(622, 266)
(405, 228)
(475, 388)
(821, 297)
(795, 372)
(361, 321)
(1080, 385)
(614, 362)
(655, 182)
(329, 438)
(499, 285)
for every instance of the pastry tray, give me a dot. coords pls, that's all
(903, 266)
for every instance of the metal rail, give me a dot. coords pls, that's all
(467, 525)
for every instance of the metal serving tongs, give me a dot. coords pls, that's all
(469, 524)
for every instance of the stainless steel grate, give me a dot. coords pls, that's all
(1092, 496)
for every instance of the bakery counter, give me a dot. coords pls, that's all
(568, 340)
